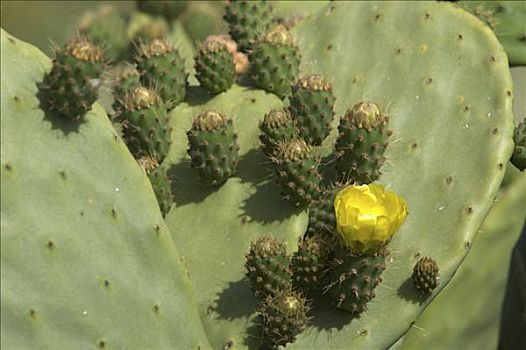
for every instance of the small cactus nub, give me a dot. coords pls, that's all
(425, 275)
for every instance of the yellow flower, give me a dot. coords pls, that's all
(367, 216)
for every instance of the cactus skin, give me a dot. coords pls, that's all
(282, 317)
(162, 187)
(354, 278)
(162, 67)
(519, 153)
(275, 62)
(425, 275)
(213, 147)
(277, 126)
(297, 172)
(72, 84)
(361, 143)
(268, 267)
(309, 265)
(247, 20)
(92, 222)
(214, 65)
(107, 28)
(312, 106)
(169, 9)
(437, 133)
(506, 19)
(146, 125)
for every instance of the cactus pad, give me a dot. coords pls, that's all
(309, 263)
(519, 153)
(100, 264)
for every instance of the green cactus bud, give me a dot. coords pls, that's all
(213, 147)
(169, 9)
(275, 61)
(363, 138)
(297, 172)
(519, 152)
(312, 106)
(162, 187)
(322, 219)
(425, 275)
(282, 317)
(127, 78)
(107, 28)
(277, 126)
(267, 267)
(161, 66)
(247, 20)
(71, 87)
(214, 65)
(145, 122)
(309, 263)
(354, 278)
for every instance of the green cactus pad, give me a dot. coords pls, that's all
(506, 18)
(439, 158)
(71, 87)
(436, 182)
(214, 66)
(425, 275)
(309, 263)
(362, 140)
(354, 278)
(283, 317)
(267, 265)
(162, 67)
(275, 61)
(247, 20)
(162, 186)
(519, 153)
(452, 322)
(312, 106)
(85, 254)
(106, 27)
(213, 147)
(296, 171)
(145, 123)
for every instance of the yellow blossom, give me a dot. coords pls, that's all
(367, 216)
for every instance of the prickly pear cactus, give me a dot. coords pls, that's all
(506, 19)
(86, 256)
(445, 160)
